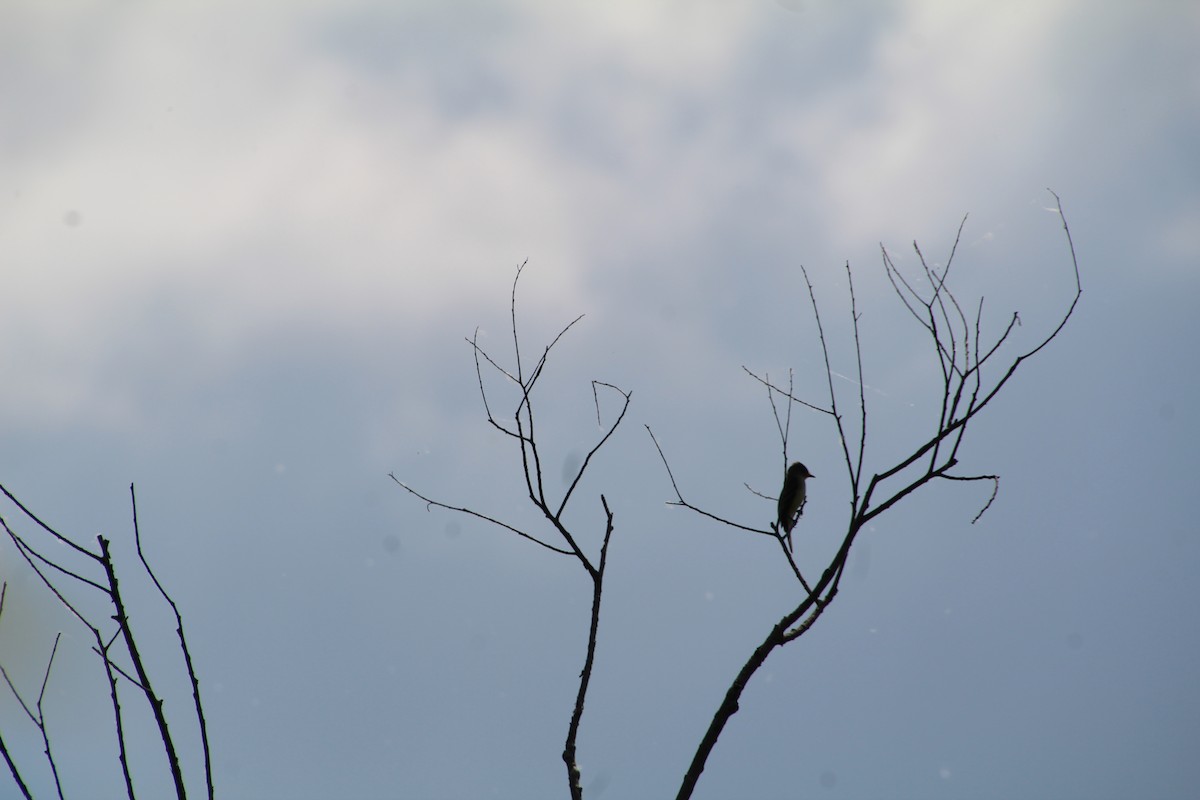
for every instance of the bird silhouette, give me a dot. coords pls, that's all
(792, 497)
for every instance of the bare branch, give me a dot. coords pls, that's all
(117, 667)
(965, 394)
(588, 458)
(525, 422)
(995, 479)
(537, 371)
(183, 646)
(837, 417)
(474, 342)
(12, 768)
(46, 675)
(856, 471)
(765, 381)
(513, 309)
(41, 717)
(17, 694)
(38, 719)
(47, 528)
(131, 647)
(28, 554)
(574, 776)
(683, 503)
(484, 517)
(31, 555)
(785, 545)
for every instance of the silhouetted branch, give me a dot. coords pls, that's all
(685, 504)
(956, 344)
(788, 395)
(38, 719)
(476, 514)
(588, 458)
(523, 428)
(62, 539)
(14, 771)
(55, 576)
(183, 647)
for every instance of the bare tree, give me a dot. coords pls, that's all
(521, 427)
(73, 573)
(972, 374)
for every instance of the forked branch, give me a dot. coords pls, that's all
(967, 388)
(115, 644)
(561, 539)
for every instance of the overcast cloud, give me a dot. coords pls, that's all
(243, 243)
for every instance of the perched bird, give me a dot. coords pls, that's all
(791, 499)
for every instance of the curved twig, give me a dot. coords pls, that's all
(476, 514)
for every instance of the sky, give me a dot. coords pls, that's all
(244, 246)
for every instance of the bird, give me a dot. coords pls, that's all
(791, 498)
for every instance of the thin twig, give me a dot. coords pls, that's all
(183, 646)
(788, 394)
(47, 528)
(131, 647)
(484, 517)
(625, 396)
(685, 504)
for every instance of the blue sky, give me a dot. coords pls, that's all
(243, 244)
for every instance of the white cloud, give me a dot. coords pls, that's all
(219, 177)
(953, 93)
(227, 167)
(256, 177)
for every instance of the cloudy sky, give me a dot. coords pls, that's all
(243, 243)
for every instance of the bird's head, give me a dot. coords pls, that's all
(798, 470)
